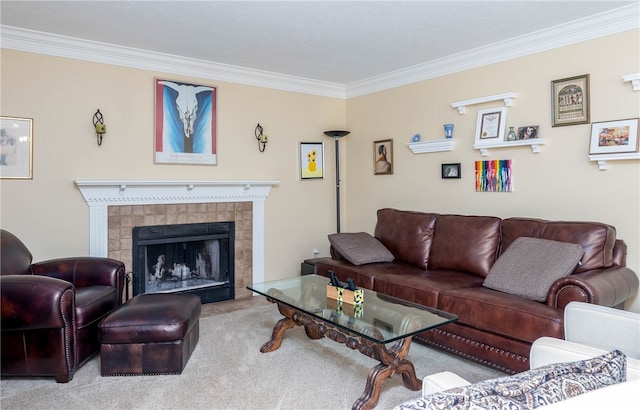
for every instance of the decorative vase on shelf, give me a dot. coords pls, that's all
(511, 136)
(448, 130)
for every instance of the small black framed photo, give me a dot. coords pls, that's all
(451, 171)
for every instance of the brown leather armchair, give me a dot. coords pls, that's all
(51, 309)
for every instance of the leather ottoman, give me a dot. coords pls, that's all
(150, 334)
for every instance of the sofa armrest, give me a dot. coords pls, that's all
(35, 302)
(606, 287)
(437, 382)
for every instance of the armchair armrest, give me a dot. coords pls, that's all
(35, 302)
(606, 287)
(84, 271)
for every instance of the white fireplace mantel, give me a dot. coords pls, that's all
(99, 195)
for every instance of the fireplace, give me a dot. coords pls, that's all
(116, 207)
(195, 258)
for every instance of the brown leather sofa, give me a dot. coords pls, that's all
(441, 261)
(51, 309)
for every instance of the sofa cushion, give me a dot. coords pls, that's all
(360, 248)
(533, 388)
(498, 313)
(529, 267)
(406, 234)
(465, 243)
(597, 239)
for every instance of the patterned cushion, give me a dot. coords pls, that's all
(531, 389)
(360, 248)
(529, 267)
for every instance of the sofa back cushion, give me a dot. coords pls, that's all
(465, 243)
(597, 239)
(406, 234)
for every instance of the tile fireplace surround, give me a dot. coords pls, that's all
(115, 207)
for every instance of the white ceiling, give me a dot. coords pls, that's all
(338, 42)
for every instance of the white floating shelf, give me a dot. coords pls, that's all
(422, 147)
(506, 97)
(534, 143)
(635, 80)
(603, 158)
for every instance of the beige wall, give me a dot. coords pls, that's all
(61, 95)
(558, 183)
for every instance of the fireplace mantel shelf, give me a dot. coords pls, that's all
(151, 192)
(99, 195)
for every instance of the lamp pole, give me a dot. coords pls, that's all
(336, 135)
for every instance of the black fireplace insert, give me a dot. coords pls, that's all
(195, 258)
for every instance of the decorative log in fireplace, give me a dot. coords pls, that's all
(194, 258)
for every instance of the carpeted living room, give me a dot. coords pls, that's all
(319, 204)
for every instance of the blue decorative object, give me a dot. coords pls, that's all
(415, 138)
(448, 130)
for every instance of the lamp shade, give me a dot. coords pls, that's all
(336, 133)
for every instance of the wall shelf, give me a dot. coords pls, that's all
(635, 80)
(603, 158)
(506, 97)
(422, 147)
(533, 143)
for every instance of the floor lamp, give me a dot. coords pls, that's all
(336, 135)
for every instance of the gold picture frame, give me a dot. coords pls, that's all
(16, 148)
(570, 101)
(383, 157)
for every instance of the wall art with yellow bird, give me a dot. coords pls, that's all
(311, 160)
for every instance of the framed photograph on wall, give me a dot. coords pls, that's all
(613, 137)
(570, 101)
(383, 157)
(185, 123)
(490, 125)
(451, 171)
(16, 148)
(311, 160)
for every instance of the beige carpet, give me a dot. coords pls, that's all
(227, 371)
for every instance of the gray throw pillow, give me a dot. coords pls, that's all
(360, 248)
(529, 266)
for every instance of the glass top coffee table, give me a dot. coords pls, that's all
(380, 327)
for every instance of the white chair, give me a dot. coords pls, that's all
(590, 331)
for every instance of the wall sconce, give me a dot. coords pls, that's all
(100, 126)
(262, 138)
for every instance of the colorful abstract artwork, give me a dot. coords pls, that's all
(494, 176)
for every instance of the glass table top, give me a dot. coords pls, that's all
(379, 318)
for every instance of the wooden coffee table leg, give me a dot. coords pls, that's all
(278, 333)
(392, 361)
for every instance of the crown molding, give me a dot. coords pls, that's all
(599, 25)
(577, 31)
(69, 47)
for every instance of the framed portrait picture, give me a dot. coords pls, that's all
(16, 148)
(612, 137)
(528, 132)
(383, 157)
(311, 160)
(570, 101)
(451, 171)
(185, 123)
(490, 125)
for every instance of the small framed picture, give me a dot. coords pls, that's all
(451, 171)
(311, 160)
(16, 148)
(383, 157)
(570, 101)
(612, 137)
(528, 132)
(490, 125)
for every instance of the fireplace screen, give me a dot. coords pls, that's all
(196, 258)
